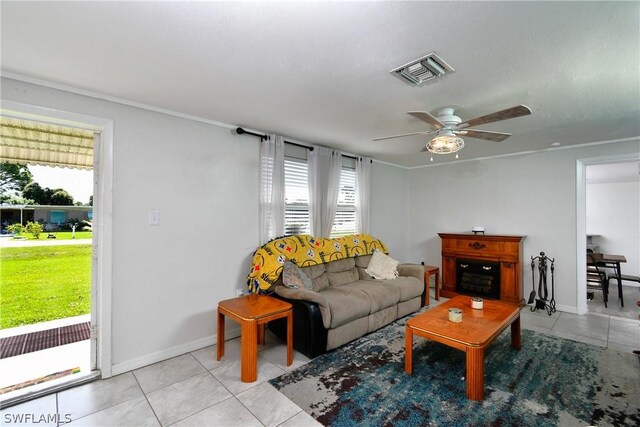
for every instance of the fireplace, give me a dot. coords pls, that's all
(503, 254)
(478, 278)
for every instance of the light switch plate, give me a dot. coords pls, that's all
(154, 217)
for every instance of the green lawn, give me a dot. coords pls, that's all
(44, 283)
(60, 235)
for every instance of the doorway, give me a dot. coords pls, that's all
(81, 230)
(608, 224)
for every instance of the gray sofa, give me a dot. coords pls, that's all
(349, 303)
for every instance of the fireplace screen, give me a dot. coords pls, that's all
(478, 278)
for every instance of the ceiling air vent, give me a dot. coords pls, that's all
(421, 70)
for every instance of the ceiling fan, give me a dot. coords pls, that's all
(448, 127)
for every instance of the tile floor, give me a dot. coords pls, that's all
(196, 390)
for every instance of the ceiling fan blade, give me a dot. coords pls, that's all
(426, 117)
(488, 135)
(509, 113)
(400, 136)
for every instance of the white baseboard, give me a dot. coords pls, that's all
(159, 356)
(567, 308)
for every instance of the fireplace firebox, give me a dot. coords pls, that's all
(478, 278)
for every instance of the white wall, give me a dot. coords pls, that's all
(613, 212)
(531, 194)
(168, 279)
(388, 212)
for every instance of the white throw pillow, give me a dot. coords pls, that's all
(382, 266)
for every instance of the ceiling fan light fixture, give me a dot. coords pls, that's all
(445, 144)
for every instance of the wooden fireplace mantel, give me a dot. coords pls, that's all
(507, 250)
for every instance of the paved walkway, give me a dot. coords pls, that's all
(7, 242)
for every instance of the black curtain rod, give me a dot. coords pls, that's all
(356, 158)
(299, 145)
(241, 131)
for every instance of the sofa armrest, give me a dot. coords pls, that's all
(304, 295)
(417, 271)
(309, 333)
(414, 270)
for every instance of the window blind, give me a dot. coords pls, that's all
(296, 197)
(345, 220)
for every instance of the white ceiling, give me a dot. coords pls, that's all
(318, 72)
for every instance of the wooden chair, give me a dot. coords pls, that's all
(597, 279)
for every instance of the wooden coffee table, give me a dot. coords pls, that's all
(253, 312)
(478, 329)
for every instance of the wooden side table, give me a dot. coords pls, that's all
(428, 271)
(253, 312)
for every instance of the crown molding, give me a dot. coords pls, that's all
(522, 153)
(115, 99)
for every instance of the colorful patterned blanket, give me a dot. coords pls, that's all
(304, 250)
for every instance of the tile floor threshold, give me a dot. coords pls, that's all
(47, 389)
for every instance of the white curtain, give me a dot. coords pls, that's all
(324, 166)
(363, 193)
(271, 188)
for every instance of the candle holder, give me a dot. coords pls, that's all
(455, 315)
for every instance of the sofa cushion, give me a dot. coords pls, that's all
(317, 275)
(362, 260)
(363, 275)
(340, 265)
(293, 277)
(346, 304)
(313, 271)
(343, 277)
(409, 287)
(381, 295)
(382, 266)
(361, 265)
(341, 272)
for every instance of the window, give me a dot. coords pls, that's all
(345, 220)
(296, 197)
(57, 217)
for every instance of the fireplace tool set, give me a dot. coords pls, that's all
(542, 303)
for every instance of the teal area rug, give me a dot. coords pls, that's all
(550, 381)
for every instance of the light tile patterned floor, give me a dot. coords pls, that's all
(196, 390)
